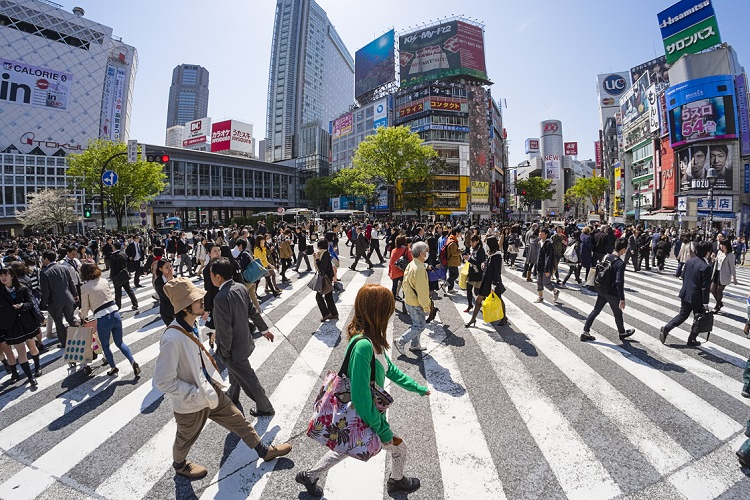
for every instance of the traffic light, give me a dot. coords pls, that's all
(523, 193)
(158, 157)
(87, 211)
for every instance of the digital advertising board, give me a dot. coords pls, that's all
(442, 51)
(701, 110)
(688, 27)
(694, 161)
(375, 64)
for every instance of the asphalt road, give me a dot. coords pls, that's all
(522, 411)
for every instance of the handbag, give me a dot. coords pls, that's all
(436, 274)
(320, 283)
(335, 423)
(79, 345)
(121, 278)
(402, 261)
(463, 276)
(492, 308)
(571, 255)
(309, 250)
(254, 271)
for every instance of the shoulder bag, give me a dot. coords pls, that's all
(254, 271)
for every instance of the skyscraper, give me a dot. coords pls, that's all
(188, 94)
(311, 81)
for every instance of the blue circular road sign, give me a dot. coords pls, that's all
(109, 178)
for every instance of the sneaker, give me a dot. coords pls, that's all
(400, 345)
(190, 470)
(746, 391)
(405, 484)
(136, 369)
(311, 486)
(556, 294)
(586, 337)
(663, 334)
(417, 348)
(276, 451)
(626, 334)
(539, 300)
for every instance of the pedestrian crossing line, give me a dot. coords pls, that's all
(54, 377)
(41, 418)
(711, 475)
(682, 332)
(466, 465)
(370, 475)
(703, 413)
(146, 467)
(656, 446)
(34, 479)
(242, 473)
(577, 469)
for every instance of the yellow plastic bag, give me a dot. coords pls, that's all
(492, 308)
(463, 276)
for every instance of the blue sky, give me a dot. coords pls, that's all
(542, 55)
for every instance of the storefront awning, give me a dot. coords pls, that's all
(718, 215)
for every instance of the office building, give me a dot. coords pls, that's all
(188, 94)
(68, 81)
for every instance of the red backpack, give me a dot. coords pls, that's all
(444, 255)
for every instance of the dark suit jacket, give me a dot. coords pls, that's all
(166, 308)
(57, 286)
(696, 281)
(232, 308)
(546, 260)
(117, 263)
(361, 244)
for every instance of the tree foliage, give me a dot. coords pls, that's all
(392, 154)
(319, 190)
(47, 209)
(592, 188)
(353, 182)
(536, 188)
(138, 182)
(416, 192)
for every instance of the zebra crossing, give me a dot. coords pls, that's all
(522, 411)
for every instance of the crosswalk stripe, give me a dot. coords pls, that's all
(702, 412)
(242, 471)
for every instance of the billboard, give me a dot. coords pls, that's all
(653, 109)
(610, 86)
(442, 51)
(375, 64)
(657, 69)
(196, 132)
(633, 103)
(552, 167)
(342, 126)
(532, 146)
(34, 86)
(742, 119)
(702, 109)
(221, 135)
(480, 192)
(571, 149)
(598, 153)
(380, 114)
(688, 27)
(242, 138)
(694, 161)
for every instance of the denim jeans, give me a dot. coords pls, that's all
(418, 324)
(111, 324)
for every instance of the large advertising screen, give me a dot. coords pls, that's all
(375, 64)
(702, 109)
(688, 27)
(694, 161)
(442, 51)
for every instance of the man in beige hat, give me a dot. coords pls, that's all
(187, 373)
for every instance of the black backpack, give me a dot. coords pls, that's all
(603, 276)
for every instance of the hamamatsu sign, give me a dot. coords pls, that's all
(688, 27)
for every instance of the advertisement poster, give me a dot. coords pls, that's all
(711, 118)
(221, 135)
(448, 49)
(571, 149)
(693, 164)
(598, 154)
(375, 64)
(342, 126)
(242, 137)
(653, 109)
(742, 119)
(105, 122)
(688, 27)
(118, 96)
(34, 85)
(480, 192)
(658, 70)
(634, 102)
(552, 167)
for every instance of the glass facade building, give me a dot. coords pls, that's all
(188, 95)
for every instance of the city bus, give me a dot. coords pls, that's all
(170, 224)
(345, 215)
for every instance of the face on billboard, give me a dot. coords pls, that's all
(694, 162)
(658, 70)
(374, 64)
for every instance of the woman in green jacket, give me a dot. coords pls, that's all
(373, 309)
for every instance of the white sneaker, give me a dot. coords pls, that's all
(400, 345)
(417, 348)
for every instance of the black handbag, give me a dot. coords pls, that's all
(309, 250)
(121, 278)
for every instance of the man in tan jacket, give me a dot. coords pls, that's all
(416, 297)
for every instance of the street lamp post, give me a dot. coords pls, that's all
(101, 182)
(711, 178)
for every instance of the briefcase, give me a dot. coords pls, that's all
(703, 323)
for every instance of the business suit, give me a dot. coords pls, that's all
(361, 245)
(135, 260)
(59, 296)
(694, 294)
(117, 263)
(231, 309)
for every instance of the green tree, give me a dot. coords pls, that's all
(47, 209)
(138, 182)
(319, 190)
(536, 189)
(417, 189)
(575, 198)
(353, 182)
(392, 154)
(592, 189)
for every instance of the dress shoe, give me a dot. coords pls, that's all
(586, 337)
(744, 458)
(311, 486)
(326, 318)
(693, 343)
(663, 334)
(276, 451)
(746, 391)
(405, 484)
(747, 328)
(190, 470)
(627, 334)
(255, 413)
